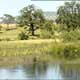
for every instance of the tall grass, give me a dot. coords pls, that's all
(23, 52)
(68, 51)
(54, 49)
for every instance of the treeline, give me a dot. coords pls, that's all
(69, 15)
(33, 20)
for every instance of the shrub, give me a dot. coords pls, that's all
(65, 51)
(23, 36)
(71, 36)
(71, 52)
(45, 34)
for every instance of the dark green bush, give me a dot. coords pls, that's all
(23, 36)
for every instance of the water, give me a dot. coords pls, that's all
(38, 71)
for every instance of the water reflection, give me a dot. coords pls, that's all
(35, 71)
(70, 71)
(42, 71)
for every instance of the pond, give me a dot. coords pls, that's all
(38, 71)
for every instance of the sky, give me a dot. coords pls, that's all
(14, 6)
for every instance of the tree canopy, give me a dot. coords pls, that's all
(69, 15)
(32, 18)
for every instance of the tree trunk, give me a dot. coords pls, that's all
(32, 30)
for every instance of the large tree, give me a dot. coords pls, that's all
(32, 18)
(69, 15)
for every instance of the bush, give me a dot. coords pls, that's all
(48, 29)
(23, 36)
(65, 51)
(71, 51)
(45, 34)
(71, 36)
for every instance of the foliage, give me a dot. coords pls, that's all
(67, 51)
(48, 25)
(69, 14)
(71, 35)
(47, 30)
(23, 36)
(32, 18)
(71, 51)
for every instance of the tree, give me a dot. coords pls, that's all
(8, 19)
(32, 18)
(69, 14)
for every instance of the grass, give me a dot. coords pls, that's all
(29, 51)
(16, 51)
(24, 47)
(13, 34)
(36, 47)
(10, 34)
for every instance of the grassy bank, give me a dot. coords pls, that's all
(37, 50)
(14, 52)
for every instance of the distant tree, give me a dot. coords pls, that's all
(69, 15)
(8, 19)
(32, 18)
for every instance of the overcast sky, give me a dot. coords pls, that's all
(14, 6)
